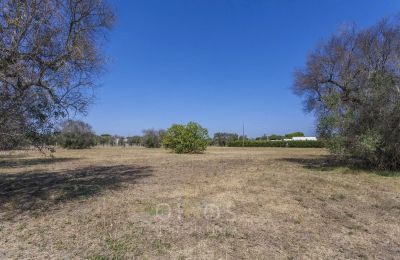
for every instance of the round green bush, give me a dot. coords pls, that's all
(189, 138)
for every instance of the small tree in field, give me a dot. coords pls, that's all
(189, 138)
(76, 135)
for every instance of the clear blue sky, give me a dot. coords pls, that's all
(216, 62)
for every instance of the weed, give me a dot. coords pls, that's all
(160, 246)
(21, 226)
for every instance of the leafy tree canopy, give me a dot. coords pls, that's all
(76, 135)
(352, 84)
(189, 138)
(49, 61)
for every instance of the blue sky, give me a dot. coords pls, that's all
(217, 62)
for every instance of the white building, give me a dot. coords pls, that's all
(305, 138)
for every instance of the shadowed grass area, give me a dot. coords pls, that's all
(16, 162)
(328, 163)
(38, 191)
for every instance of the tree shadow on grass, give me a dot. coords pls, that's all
(18, 162)
(327, 163)
(35, 192)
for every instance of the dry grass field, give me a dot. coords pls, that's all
(229, 203)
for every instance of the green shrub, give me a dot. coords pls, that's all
(190, 138)
(134, 140)
(222, 139)
(276, 137)
(104, 139)
(76, 135)
(290, 144)
(77, 140)
(152, 138)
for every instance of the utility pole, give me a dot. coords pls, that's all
(243, 136)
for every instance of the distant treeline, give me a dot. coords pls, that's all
(273, 140)
(180, 138)
(75, 134)
(279, 143)
(151, 138)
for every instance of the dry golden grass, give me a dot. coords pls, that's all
(229, 203)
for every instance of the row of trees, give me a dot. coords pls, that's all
(189, 138)
(274, 137)
(151, 138)
(79, 135)
(224, 139)
(50, 59)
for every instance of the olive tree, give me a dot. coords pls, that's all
(352, 83)
(50, 58)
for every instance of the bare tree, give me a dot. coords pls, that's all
(49, 60)
(352, 83)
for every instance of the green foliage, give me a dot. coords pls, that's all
(77, 140)
(50, 59)
(210, 141)
(245, 137)
(152, 138)
(76, 135)
(275, 137)
(223, 139)
(118, 140)
(134, 140)
(351, 82)
(295, 134)
(290, 144)
(13, 142)
(264, 138)
(104, 139)
(280, 137)
(189, 138)
(367, 145)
